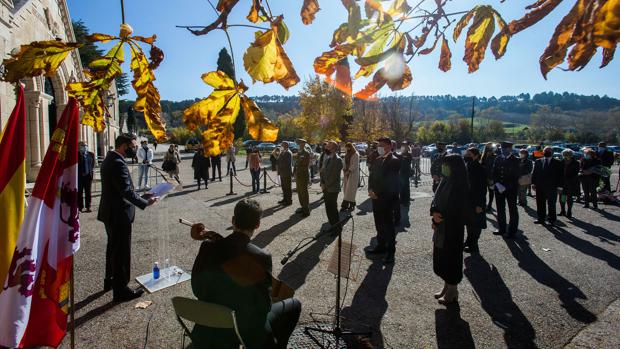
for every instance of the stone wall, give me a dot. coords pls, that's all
(22, 22)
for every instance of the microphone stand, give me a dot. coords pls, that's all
(337, 331)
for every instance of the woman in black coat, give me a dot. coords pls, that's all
(201, 164)
(448, 224)
(589, 177)
(476, 176)
(571, 183)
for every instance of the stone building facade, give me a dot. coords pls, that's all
(24, 21)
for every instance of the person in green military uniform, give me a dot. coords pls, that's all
(302, 178)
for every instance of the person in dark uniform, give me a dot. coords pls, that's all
(383, 190)
(117, 212)
(302, 178)
(398, 198)
(607, 160)
(476, 176)
(570, 180)
(286, 173)
(235, 273)
(330, 183)
(488, 160)
(450, 212)
(86, 172)
(546, 179)
(201, 164)
(372, 155)
(436, 162)
(506, 187)
(216, 162)
(405, 174)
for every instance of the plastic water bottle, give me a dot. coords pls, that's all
(156, 271)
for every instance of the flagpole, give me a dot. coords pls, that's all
(72, 311)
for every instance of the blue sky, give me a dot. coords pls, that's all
(188, 56)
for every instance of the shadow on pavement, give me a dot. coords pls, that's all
(496, 300)
(295, 272)
(86, 301)
(94, 313)
(586, 247)
(365, 207)
(545, 275)
(369, 304)
(594, 230)
(265, 237)
(451, 331)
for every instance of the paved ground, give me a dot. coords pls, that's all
(539, 290)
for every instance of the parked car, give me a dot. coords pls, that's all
(192, 144)
(429, 150)
(361, 148)
(266, 147)
(248, 144)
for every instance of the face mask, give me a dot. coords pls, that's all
(506, 152)
(403, 150)
(170, 150)
(588, 156)
(523, 156)
(83, 149)
(445, 170)
(381, 151)
(130, 152)
(145, 146)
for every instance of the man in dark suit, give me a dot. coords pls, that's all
(546, 178)
(330, 183)
(506, 187)
(117, 212)
(216, 163)
(383, 190)
(86, 172)
(285, 170)
(235, 273)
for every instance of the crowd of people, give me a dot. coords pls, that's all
(239, 273)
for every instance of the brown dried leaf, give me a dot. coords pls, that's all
(259, 126)
(309, 10)
(446, 56)
(608, 56)
(371, 89)
(478, 37)
(540, 10)
(253, 15)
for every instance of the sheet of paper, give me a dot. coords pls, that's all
(500, 187)
(161, 189)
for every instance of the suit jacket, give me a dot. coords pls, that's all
(118, 197)
(285, 163)
(506, 171)
(547, 176)
(330, 173)
(436, 162)
(86, 165)
(477, 183)
(302, 165)
(384, 177)
(237, 274)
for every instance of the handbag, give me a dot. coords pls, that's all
(169, 166)
(525, 179)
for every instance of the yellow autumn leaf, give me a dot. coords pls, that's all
(265, 60)
(607, 25)
(103, 38)
(39, 57)
(478, 35)
(147, 100)
(259, 126)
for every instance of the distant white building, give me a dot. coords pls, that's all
(24, 21)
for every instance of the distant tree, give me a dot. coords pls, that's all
(367, 123)
(225, 64)
(122, 84)
(324, 110)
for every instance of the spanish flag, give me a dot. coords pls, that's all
(12, 182)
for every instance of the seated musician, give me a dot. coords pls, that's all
(235, 273)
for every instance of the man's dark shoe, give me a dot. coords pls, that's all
(497, 232)
(281, 201)
(472, 250)
(375, 250)
(388, 259)
(538, 221)
(107, 285)
(299, 210)
(127, 295)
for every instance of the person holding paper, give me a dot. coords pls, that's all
(117, 212)
(546, 179)
(506, 179)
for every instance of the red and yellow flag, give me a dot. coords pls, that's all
(12, 182)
